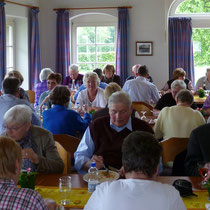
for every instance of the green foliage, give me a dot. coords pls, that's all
(201, 93)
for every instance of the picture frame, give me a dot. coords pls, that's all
(144, 48)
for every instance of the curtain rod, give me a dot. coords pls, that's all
(128, 7)
(19, 4)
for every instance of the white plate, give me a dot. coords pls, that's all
(102, 177)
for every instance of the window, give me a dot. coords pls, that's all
(95, 46)
(199, 11)
(10, 46)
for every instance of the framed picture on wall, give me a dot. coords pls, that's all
(144, 48)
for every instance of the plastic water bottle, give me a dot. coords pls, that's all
(44, 107)
(93, 177)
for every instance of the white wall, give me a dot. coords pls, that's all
(147, 23)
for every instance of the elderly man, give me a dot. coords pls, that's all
(140, 158)
(168, 99)
(204, 82)
(135, 73)
(11, 98)
(179, 120)
(198, 149)
(140, 89)
(74, 79)
(13, 197)
(103, 139)
(38, 147)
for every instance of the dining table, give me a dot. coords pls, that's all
(198, 100)
(52, 180)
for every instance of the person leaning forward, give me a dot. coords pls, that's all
(103, 138)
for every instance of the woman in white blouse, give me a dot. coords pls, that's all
(93, 96)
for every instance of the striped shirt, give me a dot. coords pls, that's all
(12, 197)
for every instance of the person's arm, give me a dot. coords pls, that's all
(83, 123)
(155, 96)
(190, 87)
(194, 155)
(199, 84)
(158, 129)
(50, 162)
(82, 87)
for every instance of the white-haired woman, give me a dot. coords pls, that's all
(74, 77)
(42, 86)
(38, 147)
(93, 96)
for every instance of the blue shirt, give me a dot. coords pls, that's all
(86, 147)
(60, 120)
(7, 101)
(43, 96)
(82, 87)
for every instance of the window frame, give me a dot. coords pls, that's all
(89, 24)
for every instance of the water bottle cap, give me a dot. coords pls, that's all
(92, 164)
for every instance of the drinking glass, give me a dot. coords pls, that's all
(65, 189)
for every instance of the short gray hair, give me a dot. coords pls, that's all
(18, 114)
(44, 74)
(90, 75)
(74, 67)
(178, 84)
(120, 97)
(185, 96)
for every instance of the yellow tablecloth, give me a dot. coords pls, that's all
(197, 203)
(78, 196)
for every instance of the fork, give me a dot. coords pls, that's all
(107, 169)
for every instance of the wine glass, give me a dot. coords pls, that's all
(143, 115)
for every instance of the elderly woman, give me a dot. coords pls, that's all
(74, 80)
(53, 80)
(109, 75)
(42, 86)
(179, 73)
(180, 120)
(18, 75)
(67, 121)
(111, 88)
(93, 96)
(38, 147)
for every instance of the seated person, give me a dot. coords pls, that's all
(42, 86)
(10, 98)
(101, 84)
(111, 88)
(206, 108)
(93, 96)
(67, 121)
(135, 73)
(74, 78)
(140, 159)
(38, 147)
(18, 75)
(13, 197)
(168, 99)
(179, 73)
(103, 138)
(204, 82)
(53, 80)
(198, 149)
(180, 120)
(109, 75)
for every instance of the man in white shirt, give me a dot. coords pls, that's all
(204, 82)
(140, 89)
(139, 191)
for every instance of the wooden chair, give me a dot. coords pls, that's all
(65, 156)
(172, 147)
(70, 143)
(31, 95)
(142, 106)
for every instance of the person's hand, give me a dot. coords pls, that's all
(29, 153)
(98, 159)
(122, 172)
(51, 204)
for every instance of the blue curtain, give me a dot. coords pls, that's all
(34, 49)
(2, 43)
(62, 43)
(181, 46)
(122, 44)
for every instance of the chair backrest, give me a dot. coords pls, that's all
(70, 143)
(172, 147)
(65, 156)
(31, 95)
(142, 106)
